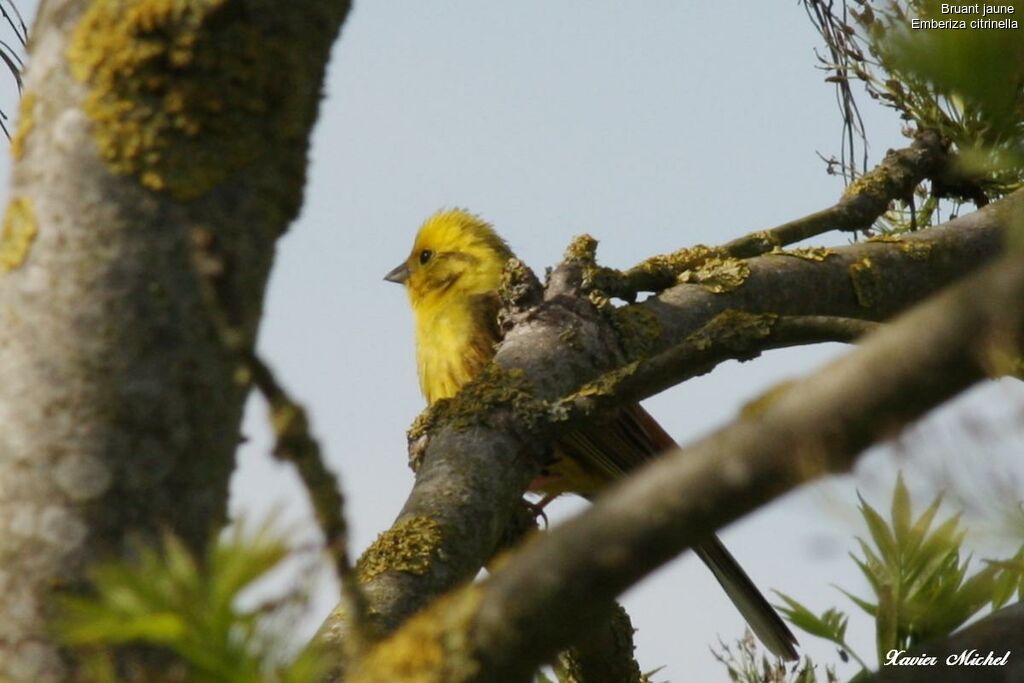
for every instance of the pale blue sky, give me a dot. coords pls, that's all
(652, 126)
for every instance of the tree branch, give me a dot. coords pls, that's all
(554, 587)
(731, 335)
(860, 206)
(604, 653)
(485, 445)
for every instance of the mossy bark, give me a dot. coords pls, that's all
(119, 401)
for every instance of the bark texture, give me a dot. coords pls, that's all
(478, 453)
(141, 228)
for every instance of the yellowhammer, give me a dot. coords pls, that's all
(452, 278)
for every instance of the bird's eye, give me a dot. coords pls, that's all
(425, 256)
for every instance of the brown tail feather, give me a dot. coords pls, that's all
(640, 437)
(761, 616)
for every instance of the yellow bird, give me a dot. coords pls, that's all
(452, 277)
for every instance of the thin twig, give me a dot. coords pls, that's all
(895, 177)
(21, 34)
(294, 442)
(844, 51)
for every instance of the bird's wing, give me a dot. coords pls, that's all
(604, 452)
(609, 449)
(597, 455)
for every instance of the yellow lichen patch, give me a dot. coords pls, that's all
(492, 387)
(182, 93)
(638, 329)
(26, 119)
(409, 546)
(600, 301)
(806, 253)
(865, 282)
(670, 265)
(604, 385)
(757, 406)
(434, 646)
(885, 238)
(19, 232)
(918, 250)
(717, 275)
(767, 237)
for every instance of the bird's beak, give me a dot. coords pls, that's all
(399, 275)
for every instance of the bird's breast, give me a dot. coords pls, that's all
(453, 343)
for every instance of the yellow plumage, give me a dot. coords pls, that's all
(453, 290)
(452, 276)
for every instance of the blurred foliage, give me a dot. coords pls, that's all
(745, 663)
(564, 675)
(967, 85)
(167, 599)
(922, 587)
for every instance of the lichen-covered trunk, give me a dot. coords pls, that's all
(160, 152)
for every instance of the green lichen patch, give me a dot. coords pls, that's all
(733, 329)
(717, 275)
(866, 282)
(26, 121)
(570, 336)
(637, 327)
(875, 183)
(182, 93)
(19, 232)
(583, 248)
(492, 388)
(433, 646)
(651, 275)
(411, 545)
(518, 287)
(805, 253)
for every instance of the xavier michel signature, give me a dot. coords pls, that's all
(964, 658)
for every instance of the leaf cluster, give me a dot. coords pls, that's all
(167, 599)
(966, 85)
(922, 586)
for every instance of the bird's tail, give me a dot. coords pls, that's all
(764, 621)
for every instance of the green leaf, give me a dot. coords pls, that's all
(1003, 589)
(879, 530)
(874, 571)
(901, 512)
(165, 597)
(831, 625)
(886, 623)
(868, 607)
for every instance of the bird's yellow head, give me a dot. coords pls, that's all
(456, 256)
